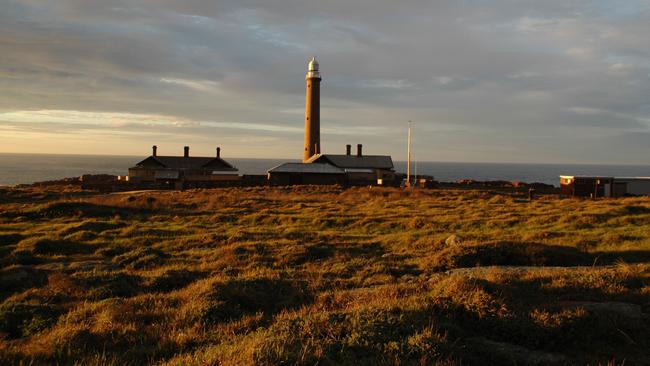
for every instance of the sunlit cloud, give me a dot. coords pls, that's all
(201, 85)
(102, 119)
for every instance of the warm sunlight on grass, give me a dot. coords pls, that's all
(322, 275)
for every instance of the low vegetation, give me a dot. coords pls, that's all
(322, 275)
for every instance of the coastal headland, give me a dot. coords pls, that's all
(322, 275)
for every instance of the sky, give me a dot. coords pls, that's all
(553, 81)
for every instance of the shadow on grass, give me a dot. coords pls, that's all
(74, 209)
(508, 254)
(238, 297)
(103, 285)
(627, 256)
(529, 254)
(362, 250)
(24, 319)
(95, 227)
(299, 255)
(174, 279)
(54, 246)
(10, 239)
(532, 313)
(16, 279)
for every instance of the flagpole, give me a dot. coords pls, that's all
(408, 162)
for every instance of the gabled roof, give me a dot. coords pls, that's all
(181, 163)
(306, 168)
(354, 161)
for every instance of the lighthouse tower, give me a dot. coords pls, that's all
(312, 111)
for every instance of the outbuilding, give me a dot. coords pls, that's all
(302, 173)
(631, 186)
(600, 186)
(359, 169)
(586, 186)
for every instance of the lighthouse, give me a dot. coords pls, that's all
(312, 111)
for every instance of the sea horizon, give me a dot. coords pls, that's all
(27, 168)
(298, 159)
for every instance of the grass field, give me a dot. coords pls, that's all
(322, 275)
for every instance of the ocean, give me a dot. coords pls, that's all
(30, 168)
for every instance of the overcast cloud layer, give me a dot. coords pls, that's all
(502, 80)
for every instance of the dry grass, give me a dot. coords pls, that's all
(321, 275)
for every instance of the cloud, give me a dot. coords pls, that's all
(581, 53)
(472, 74)
(200, 85)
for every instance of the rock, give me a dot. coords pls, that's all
(454, 240)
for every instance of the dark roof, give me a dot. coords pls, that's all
(306, 168)
(603, 177)
(586, 176)
(354, 161)
(181, 162)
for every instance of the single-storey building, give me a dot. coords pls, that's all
(183, 171)
(585, 186)
(359, 169)
(631, 186)
(303, 173)
(597, 186)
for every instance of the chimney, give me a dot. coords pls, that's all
(218, 152)
(359, 146)
(154, 150)
(186, 152)
(348, 150)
